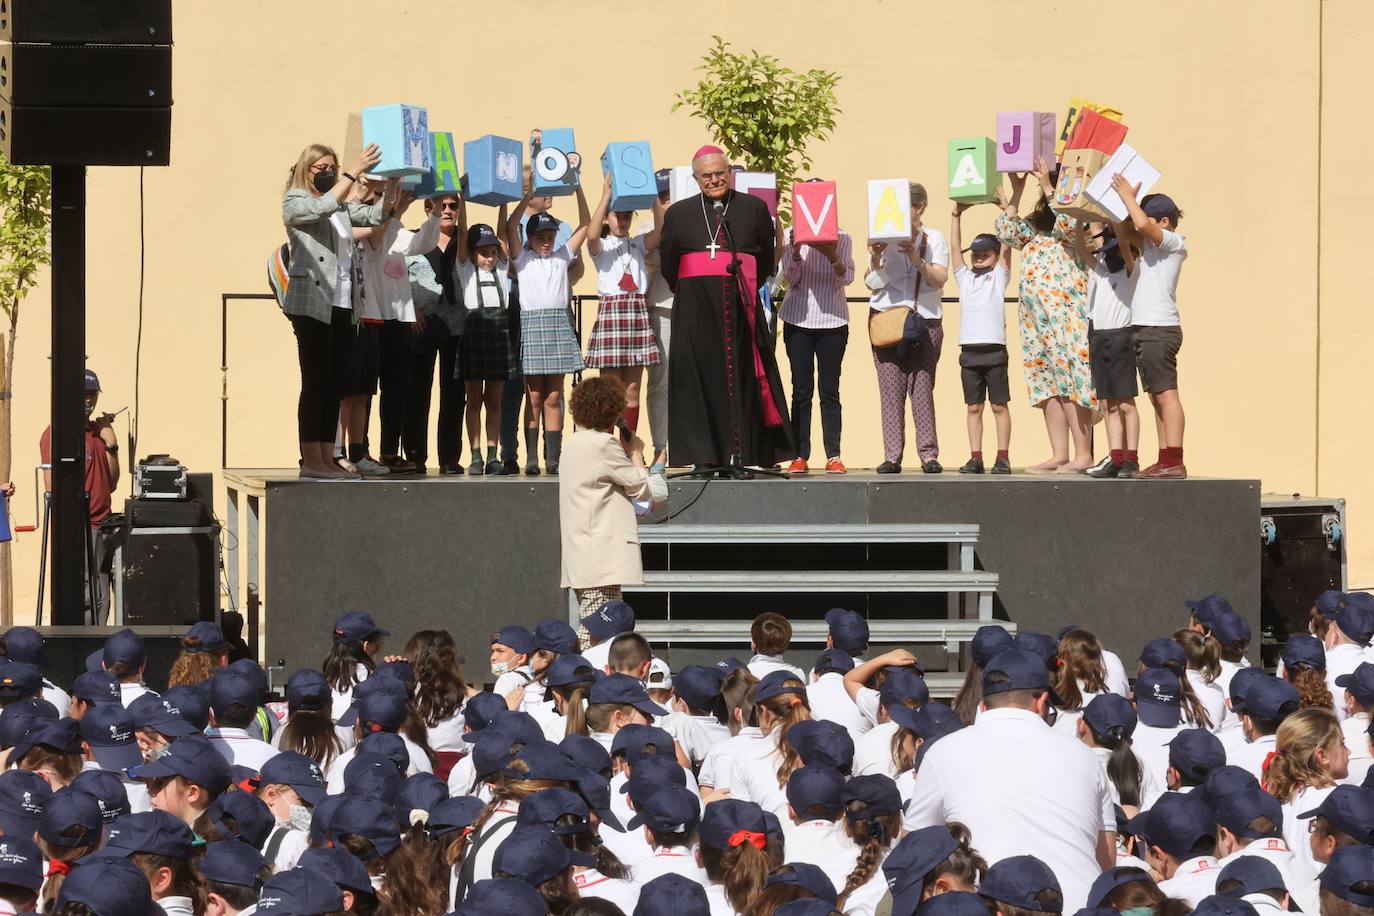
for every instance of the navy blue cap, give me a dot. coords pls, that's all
(23, 794)
(931, 722)
(596, 789)
(776, 683)
(535, 855)
(96, 660)
(514, 637)
(1015, 669)
(728, 665)
(374, 821)
(698, 686)
(1110, 715)
(613, 618)
(1268, 697)
(308, 690)
(1223, 781)
(21, 863)
(1018, 880)
(1113, 878)
(297, 771)
(70, 808)
(989, 642)
(161, 714)
(357, 627)
(1240, 681)
(22, 716)
(877, 792)
(319, 818)
(481, 235)
(1206, 610)
(587, 753)
(1159, 206)
(124, 646)
(621, 689)
(568, 670)
(1042, 645)
(912, 859)
(1329, 602)
(1217, 905)
(109, 730)
(1357, 623)
(823, 742)
(903, 684)
(500, 740)
(192, 702)
(833, 660)
(1159, 698)
(952, 903)
(480, 710)
(96, 687)
(108, 791)
(818, 786)
(542, 760)
(340, 866)
(1302, 650)
(1349, 866)
(63, 736)
(458, 813)
(985, 241)
(635, 740)
(504, 897)
(19, 679)
(1255, 874)
(419, 793)
(1350, 809)
(378, 710)
(806, 876)
(243, 815)
(848, 630)
(209, 638)
(374, 776)
(549, 807)
(670, 809)
(1175, 823)
(1231, 630)
(192, 757)
(653, 774)
(540, 222)
(110, 887)
(250, 671)
(299, 892)
(1162, 653)
(231, 862)
(1236, 810)
(24, 644)
(151, 832)
(672, 895)
(1360, 683)
(555, 636)
(729, 817)
(398, 669)
(1195, 752)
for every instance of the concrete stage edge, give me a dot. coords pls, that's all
(472, 554)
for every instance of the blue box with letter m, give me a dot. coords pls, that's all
(401, 132)
(630, 170)
(492, 171)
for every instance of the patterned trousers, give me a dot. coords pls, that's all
(589, 601)
(913, 378)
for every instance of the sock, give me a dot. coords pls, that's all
(357, 452)
(632, 418)
(1133, 455)
(476, 456)
(532, 446)
(491, 453)
(1004, 455)
(1163, 456)
(1173, 457)
(553, 447)
(1118, 456)
(976, 456)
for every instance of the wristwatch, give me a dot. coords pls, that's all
(113, 449)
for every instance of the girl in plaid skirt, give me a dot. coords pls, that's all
(486, 355)
(622, 341)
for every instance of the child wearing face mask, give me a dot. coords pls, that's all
(511, 648)
(291, 785)
(622, 342)
(486, 355)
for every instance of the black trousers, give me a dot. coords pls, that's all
(434, 343)
(394, 383)
(810, 350)
(319, 348)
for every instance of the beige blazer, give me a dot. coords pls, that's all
(597, 483)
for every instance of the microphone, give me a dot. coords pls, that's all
(719, 206)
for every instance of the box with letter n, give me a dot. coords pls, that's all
(1023, 137)
(814, 212)
(629, 168)
(492, 171)
(973, 177)
(555, 161)
(889, 209)
(1092, 141)
(444, 178)
(401, 133)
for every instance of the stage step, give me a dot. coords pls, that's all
(827, 580)
(961, 538)
(881, 632)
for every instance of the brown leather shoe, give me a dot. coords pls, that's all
(1147, 471)
(1172, 472)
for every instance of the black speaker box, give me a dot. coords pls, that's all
(31, 135)
(169, 579)
(65, 650)
(146, 22)
(115, 76)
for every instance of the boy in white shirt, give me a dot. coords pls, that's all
(1112, 276)
(1357, 701)
(1152, 228)
(983, 338)
(770, 635)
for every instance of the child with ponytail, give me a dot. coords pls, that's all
(737, 693)
(202, 648)
(352, 656)
(1170, 655)
(567, 815)
(1106, 726)
(1304, 666)
(1081, 676)
(958, 869)
(1309, 759)
(569, 681)
(1203, 660)
(873, 820)
(737, 854)
(309, 728)
(69, 829)
(760, 773)
(369, 829)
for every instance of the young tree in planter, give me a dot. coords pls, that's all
(762, 112)
(25, 221)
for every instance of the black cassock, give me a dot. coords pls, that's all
(707, 314)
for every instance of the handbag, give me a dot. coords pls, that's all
(885, 329)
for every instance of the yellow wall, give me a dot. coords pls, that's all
(1222, 95)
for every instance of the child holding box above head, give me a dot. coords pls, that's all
(983, 338)
(485, 352)
(1153, 228)
(622, 341)
(548, 346)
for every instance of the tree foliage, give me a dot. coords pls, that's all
(763, 112)
(25, 219)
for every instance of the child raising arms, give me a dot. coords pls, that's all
(983, 338)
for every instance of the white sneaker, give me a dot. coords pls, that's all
(369, 468)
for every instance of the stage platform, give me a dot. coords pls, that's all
(472, 554)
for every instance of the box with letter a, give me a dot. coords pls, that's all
(973, 177)
(1021, 137)
(815, 216)
(630, 169)
(401, 132)
(491, 171)
(444, 178)
(556, 163)
(889, 209)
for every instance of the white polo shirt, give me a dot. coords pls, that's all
(823, 844)
(1109, 297)
(1155, 302)
(239, 748)
(1213, 700)
(1356, 730)
(592, 883)
(1250, 755)
(1340, 660)
(873, 752)
(1300, 880)
(754, 776)
(1019, 786)
(543, 281)
(128, 693)
(760, 666)
(1295, 831)
(619, 257)
(895, 280)
(829, 700)
(1195, 879)
(716, 768)
(419, 763)
(668, 860)
(982, 311)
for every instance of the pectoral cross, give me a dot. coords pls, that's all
(713, 248)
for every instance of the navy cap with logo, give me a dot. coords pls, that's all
(1255, 874)
(637, 741)
(24, 644)
(730, 822)
(19, 680)
(481, 235)
(374, 821)
(505, 897)
(835, 660)
(1348, 873)
(340, 866)
(569, 669)
(193, 758)
(823, 742)
(911, 860)
(357, 627)
(242, 815)
(1238, 810)
(109, 730)
(192, 701)
(308, 690)
(668, 810)
(989, 642)
(621, 689)
(1110, 715)
(541, 222)
(23, 716)
(1218, 905)
(1163, 653)
(555, 636)
(1022, 881)
(21, 863)
(810, 878)
(153, 832)
(903, 684)
(1015, 669)
(1270, 698)
(535, 855)
(70, 808)
(231, 862)
(297, 771)
(560, 810)
(1113, 878)
(23, 794)
(653, 774)
(848, 630)
(1175, 823)
(1195, 752)
(108, 791)
(815, 791)
(1349, 809)
(952, 903)
(208, 638)
(161, 714)
(1360, 683)
(110, 887)
(1303, 650)
(514, 637)
(457, 813)
(1159, 698)
(672, 895)
(96, 687)
(613, 618)
(1205, 610)
(124, 646)
(698, 686)
(92, 381)
(299, 892)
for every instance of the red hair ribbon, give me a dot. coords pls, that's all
(796, 700)
(740, 837)
(58, 868)
(251, 784)
(1264, 767)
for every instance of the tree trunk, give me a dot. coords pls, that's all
(6, 403)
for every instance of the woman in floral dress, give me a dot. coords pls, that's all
(1054, 324)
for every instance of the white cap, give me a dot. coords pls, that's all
(660, 676)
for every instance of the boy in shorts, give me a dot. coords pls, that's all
(1112, 273)
(983, 339)
(1152, 228)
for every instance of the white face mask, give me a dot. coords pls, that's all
(500, 668)
(300, 818)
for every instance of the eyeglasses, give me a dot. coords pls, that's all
(712, 176)
(321, 167)
(448, 206)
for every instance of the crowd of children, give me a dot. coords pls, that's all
(592, 778)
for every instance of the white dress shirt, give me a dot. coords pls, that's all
(1195, 879)
(829, 700)
(754, 776)
(239, 748)
(1251, 755)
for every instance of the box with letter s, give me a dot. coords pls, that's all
(629, 168)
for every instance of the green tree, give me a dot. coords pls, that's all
(25, 221)
(763, 112)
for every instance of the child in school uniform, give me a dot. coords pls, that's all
(1153, 228)
(486, 352)
(548, 345)
(1112, 276)
(622, 342)
(983, 338)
